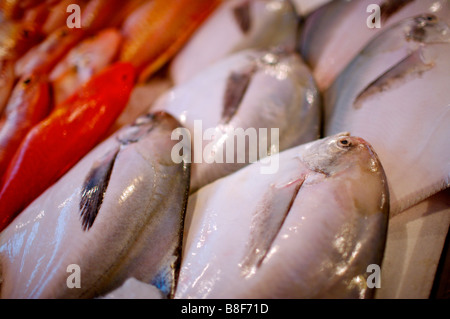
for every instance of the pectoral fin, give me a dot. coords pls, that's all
(242, 16)
(410, 67)
(94, 189)
(267, 222)
(236, 87)
(389, 7)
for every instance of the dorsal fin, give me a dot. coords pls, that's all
(410, 67)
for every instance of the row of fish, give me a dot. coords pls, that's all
(69, 88)
(62, 106)
(224, 230)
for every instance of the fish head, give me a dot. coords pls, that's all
(349, 188)
(167, 126)
(342, 155)
(426, 28)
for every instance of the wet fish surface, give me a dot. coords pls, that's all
(117, 214)
(333, 35)
(311, 230)
(234, 26)
(395, 95)
(250, 90)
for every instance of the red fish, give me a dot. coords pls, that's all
(6, 82)
(44, 56)
(50, 15)
(99, 14)
(17, 38)
(54, 145)
(28, 105)
(89, 57)
(15, 9)
(158, 29)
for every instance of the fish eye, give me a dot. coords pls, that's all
(431, 18)
(344, 143)
(426, 19)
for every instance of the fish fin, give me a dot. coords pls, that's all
(267, 222)
(94, 189)
(236, 87)
(404, 203)
(411, 66)
(164, 279)
(390, 7)
(242, 16)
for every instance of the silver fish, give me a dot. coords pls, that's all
(117, 214)
(395, 95)
(258, 90)
(311, 230)
(236, 25)
(334, 34)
